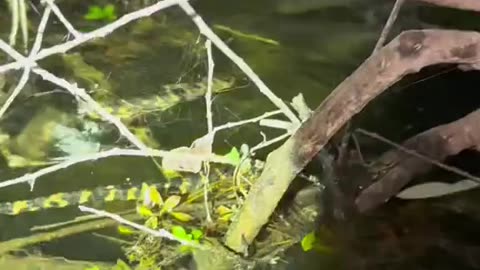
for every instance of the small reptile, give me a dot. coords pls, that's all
(64, 199)
(169, 95)
(87, 196)
(176, 183)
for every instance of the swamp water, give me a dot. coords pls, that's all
(312, 51)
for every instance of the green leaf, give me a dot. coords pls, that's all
(223, 210)
(124, 230)
(179, 232)
(233, 156)
(109, 12)
(152, 222)
(197, 234)
(93, 268)
(155, 196)
(308, 241)
(121, 265)
(226, 218)
(184, 187)
(94, 13)
(144, 193)
(170, 203)
(225, 213)
(171, 174)
(183, 217)
(144, 211)
(184, 249)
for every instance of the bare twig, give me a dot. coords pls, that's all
(266, 143)
(208, 94)
(23, 81)
(62, 19)
(12, 53)
(26, 72)
(160, 233)
(101, 32)
(206, 31)
(243, 122)
(109, 153)
(473, 5)
(388, 26)
(14, 22)
(414, 153)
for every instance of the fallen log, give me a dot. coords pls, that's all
(406, 54)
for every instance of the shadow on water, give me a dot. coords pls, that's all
(316, 51)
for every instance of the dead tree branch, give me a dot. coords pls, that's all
(436, 143)
(408, 53)
(472, 5)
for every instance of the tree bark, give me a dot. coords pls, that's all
(436, 143)
(407, 53)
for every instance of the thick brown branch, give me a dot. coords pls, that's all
(408, 53)
(436, 143)
(473, 5)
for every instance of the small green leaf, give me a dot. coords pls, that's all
(171, 174)
(109, 12)
(197, 234)
(170, 203)
(121, 265)
(155, 196)
(226, 218)
(144, 211)
(179, 232)
(233, 156)
(223, 210)
(92, 268)
(308, 241)
(183, 217)
(152, 222)
(184, 187)
(125, 230)
(94, 13)
(184, 249)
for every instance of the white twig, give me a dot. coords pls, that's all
(275, 123)
(79, 92)
(104, 154)
(101, 32)
(206, 31)
(208, 104)
(23, 23)
(269, 142)
(15, 21)
(41, 29)
(208, 94)
(62, 19)
(388, 25)
(206, 183)
(11, 52)
(16, 91)
(243, 122)
(26, 72)
(160, 233)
